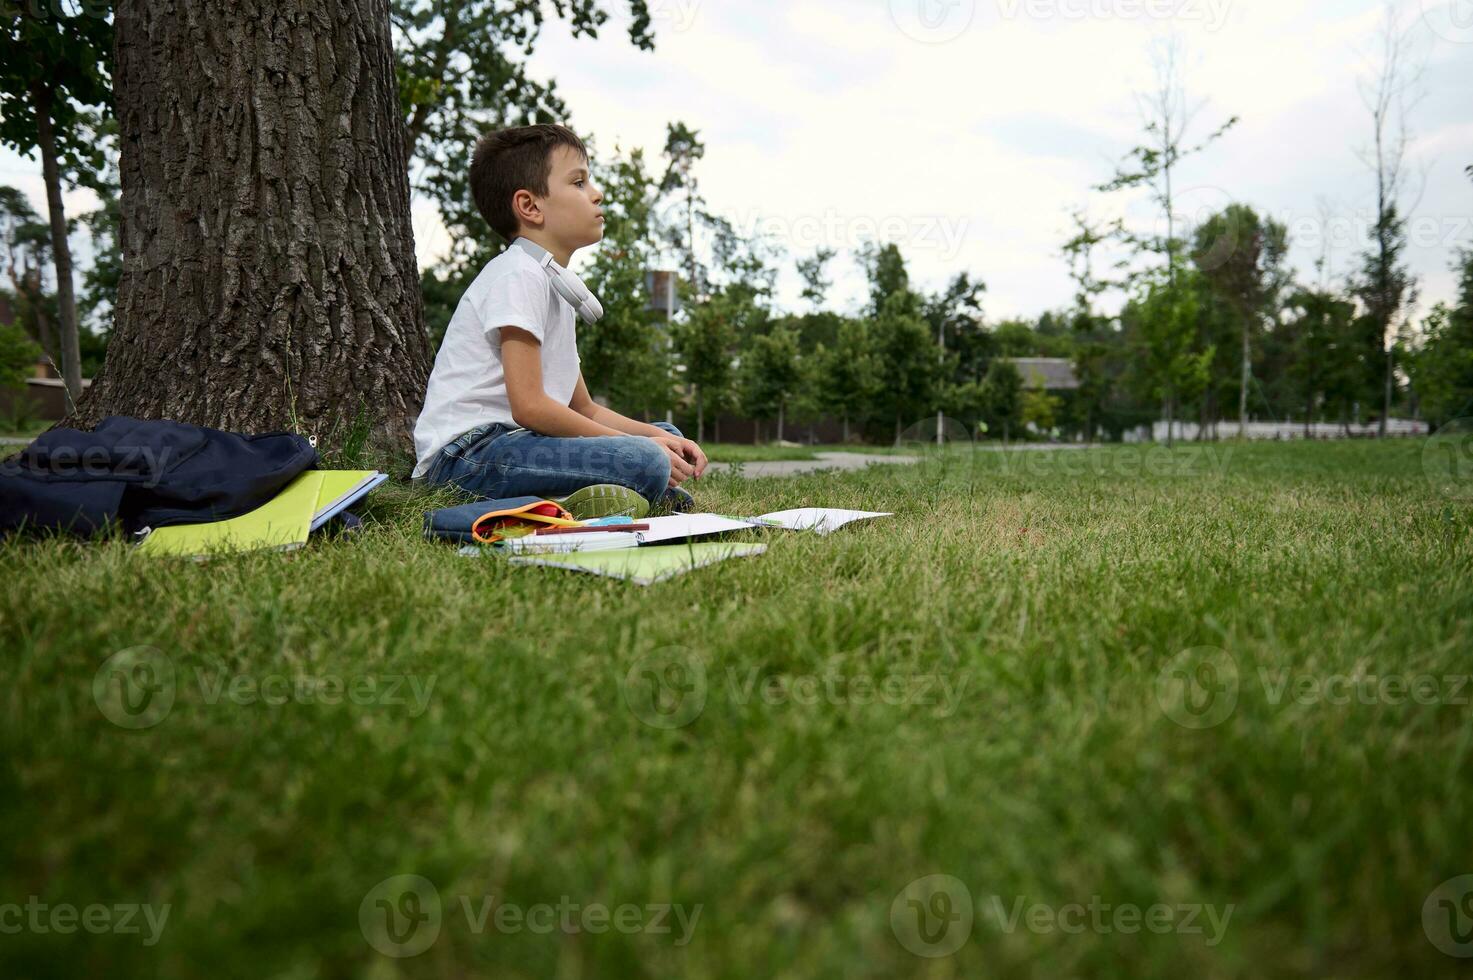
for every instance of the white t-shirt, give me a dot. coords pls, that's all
(467, 386)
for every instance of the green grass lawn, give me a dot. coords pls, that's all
(1136, 704)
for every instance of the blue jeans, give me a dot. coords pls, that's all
(499, 460)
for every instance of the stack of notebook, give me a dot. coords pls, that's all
(652, 554)
(282, 523)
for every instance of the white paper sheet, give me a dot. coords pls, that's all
(677, 526)
(552, 543)
(821, 520)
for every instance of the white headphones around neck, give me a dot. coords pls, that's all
(566, 284)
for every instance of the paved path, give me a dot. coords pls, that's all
(825, 461)
(858, 461)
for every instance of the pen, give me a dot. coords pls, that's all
(582, 530)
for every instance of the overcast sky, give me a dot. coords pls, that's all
(966, 130)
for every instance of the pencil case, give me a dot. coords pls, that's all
(487, 521)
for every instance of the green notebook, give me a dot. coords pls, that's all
(282, 523)
(648, 564)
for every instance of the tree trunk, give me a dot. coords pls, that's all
(846, 427)
(1386, 408)
(779, 421)
(61, 250)
(1243, 387)
(700, 417)
(269, 279)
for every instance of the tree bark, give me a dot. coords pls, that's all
(61, 250)
(269, 279)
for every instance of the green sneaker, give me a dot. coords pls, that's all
(603, 500)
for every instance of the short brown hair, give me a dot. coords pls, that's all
(510, 160)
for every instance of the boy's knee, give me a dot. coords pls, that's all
(646, 467)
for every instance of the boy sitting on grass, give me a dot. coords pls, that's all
(507, 413)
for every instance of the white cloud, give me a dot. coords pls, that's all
(826, 109)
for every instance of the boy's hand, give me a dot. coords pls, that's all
(686, 458)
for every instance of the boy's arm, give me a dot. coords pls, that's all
(584, 404)
(521, 361)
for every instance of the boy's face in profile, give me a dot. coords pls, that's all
(570, 211)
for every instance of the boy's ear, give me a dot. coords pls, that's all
(526, 208)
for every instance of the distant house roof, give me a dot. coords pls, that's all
(1048, 373)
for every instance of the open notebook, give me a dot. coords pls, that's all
(282, 523)
(821, 520)
(645, 565)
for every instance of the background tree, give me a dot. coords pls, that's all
(279, 288)
(907, 371)
(27, 244)
(1442, 369)
(461, 67)
(1241, 259)
(1167, 119)
(1000, 398)
(55, 62)
(771, 369)
(1039, 410)
(1168, 362)
(624, 354)
(1385, 285)
(815, 281)
(1322, 360)
(847, 373)
(704, 341)
(683, 149)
